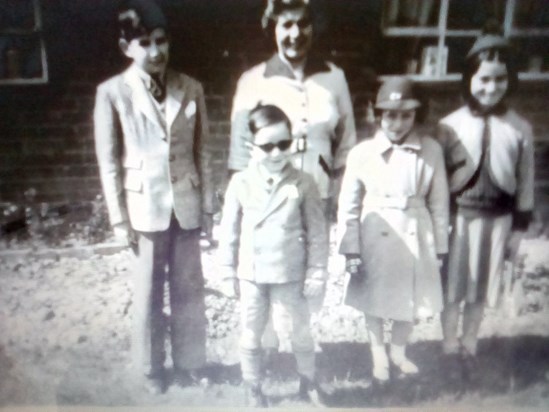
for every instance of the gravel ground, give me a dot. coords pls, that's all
(64, 340)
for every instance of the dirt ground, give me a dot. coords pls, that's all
(64, 340)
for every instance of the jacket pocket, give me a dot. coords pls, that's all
(133, 179)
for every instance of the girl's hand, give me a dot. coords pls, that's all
(353, 264)
(513, 244)
(313, 287)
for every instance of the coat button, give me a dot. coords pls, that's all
(172, 158)
(173, 179)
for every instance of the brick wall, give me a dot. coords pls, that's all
(46, 134)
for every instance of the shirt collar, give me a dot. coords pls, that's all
(143, 75)
(276, 67)
(383, 144)
(261, 176)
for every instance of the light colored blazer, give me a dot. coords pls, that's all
(511, 152)
(151, 165)
(273, 237)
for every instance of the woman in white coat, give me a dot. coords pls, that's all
(393, 222)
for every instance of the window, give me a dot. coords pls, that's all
(22, 49)
(428, 39)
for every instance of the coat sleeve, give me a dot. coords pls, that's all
(345, 132)
(316, 227)
(108, 149)
(349, 210)
(438, 200)
(239, 154)
(230, 227)
(202, 153)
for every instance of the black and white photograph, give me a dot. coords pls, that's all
(274, 204)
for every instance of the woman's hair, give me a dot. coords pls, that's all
(275, 8)
(267, 115)
(500, 53)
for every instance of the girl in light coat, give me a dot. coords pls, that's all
(490, 161)
(392, 224)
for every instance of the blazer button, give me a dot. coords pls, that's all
(172, 158)
(173, 179)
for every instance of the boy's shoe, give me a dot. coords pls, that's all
(254, 396)
(156, 383)
(311, 392)
(189, 377)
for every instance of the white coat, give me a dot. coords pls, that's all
(393, 211)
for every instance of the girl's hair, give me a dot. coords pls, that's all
(267, 115)
(275, 8)
(502, 54)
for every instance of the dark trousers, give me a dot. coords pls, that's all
(172, 255)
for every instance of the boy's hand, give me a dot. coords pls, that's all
(125, 234)
(230, 287)
(313, 287)
(207, 226)
(353, 264)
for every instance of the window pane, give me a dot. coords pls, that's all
(458, 48)
(473, 14)
(404, 55)
(532, 14)
(410, 13)
(20, 57)
(532, 54)
(16, 14)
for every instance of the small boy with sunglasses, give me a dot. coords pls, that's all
(273, 249)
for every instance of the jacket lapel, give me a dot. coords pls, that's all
(174, 97)
(281, 191)
(141, 96)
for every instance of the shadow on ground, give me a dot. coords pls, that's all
(504, 365)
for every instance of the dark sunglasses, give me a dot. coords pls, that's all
(158, 41)
(282, 145)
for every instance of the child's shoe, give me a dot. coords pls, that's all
(254, 396)
(399, 359)
(380, 362)
(311, 392)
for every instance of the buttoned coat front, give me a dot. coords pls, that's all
(273, 237)
(319, 108)
(152, 164)
(393, 211)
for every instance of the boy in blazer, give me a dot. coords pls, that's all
(151, 135)
(273, 249)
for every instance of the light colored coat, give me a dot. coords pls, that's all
(151, 165)
(393, 211)
(319, 108)
(274, 237)
(511, 152)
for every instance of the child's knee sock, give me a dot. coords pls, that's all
(250, 363)
(380, 362)
(449, 320)
(472, 317)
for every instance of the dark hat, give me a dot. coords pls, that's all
(487, 42)
(396, 93)
(137, 18)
